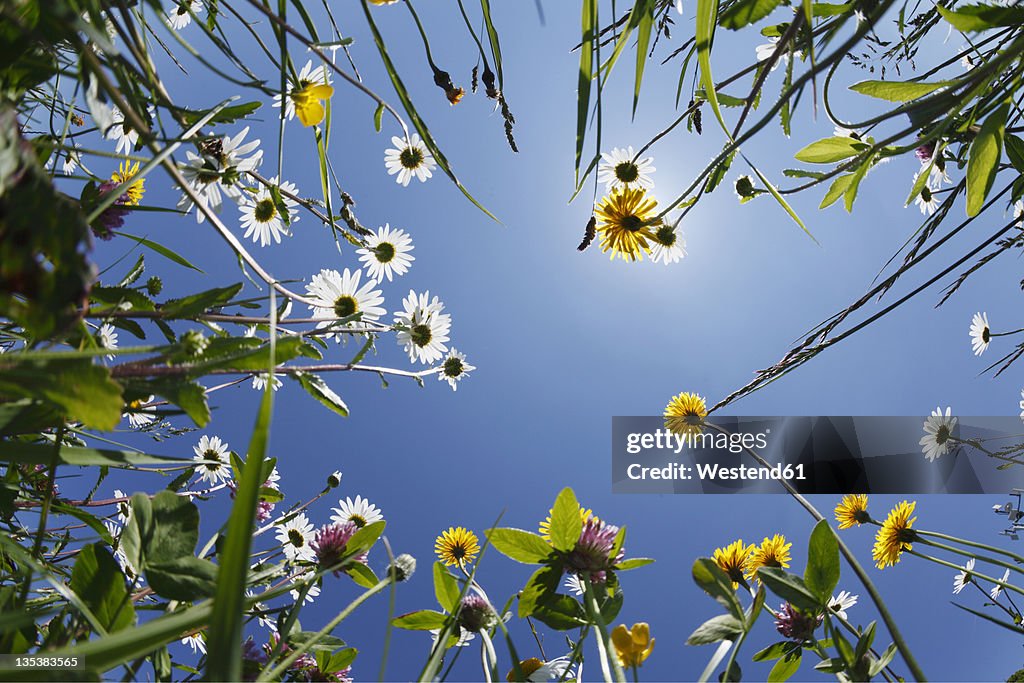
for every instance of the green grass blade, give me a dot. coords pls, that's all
(643, 42)
(588, 27)
(707, 17)
(41, 454)
(492, 36)
(162, 250)
(781, 200)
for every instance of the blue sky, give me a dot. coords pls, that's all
(563, 341)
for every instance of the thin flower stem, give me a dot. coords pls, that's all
(964, 553)
(851, 559)
(998, 604)
(944, 563)
(128, 370)
(606, 657)
(489, 656)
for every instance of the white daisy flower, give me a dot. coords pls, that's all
(101, 112)
(669, 247)
(926, 201)
(114, 529)
(963, 578)
(464, 636)
(426, 327)
(308, 75)
(259, 381)
(119, 130)
(311, 594)
(454, 368)
(573, 583)
(552, 670)
(180, 15)
(997, 589)
(260, 215)
(764, 52)
(340, 296)
(259, 610)
(123, 509)
(106, 338)
(273, 478)
(842, 602)
(295, 536)
(1022, 404)
(937, 176)
(196, 642)
(215, 450)
(387, 253)
(141, 414)
(409, 159)
(359, 511)
(72, 160)
(619, 171)
(937, 431)
(218, 170)
(981, 334)
(1018, 212)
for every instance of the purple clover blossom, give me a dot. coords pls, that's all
(592, 554)
(796, 625)
(924, 152)
(263, 511)
(113, 216)
(329, 544)
(476, 614)
(253, 660)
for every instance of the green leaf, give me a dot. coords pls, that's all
(318, 389)
(378, 115)
(446, 588)
(41, 454)
(364, 539)
(1015, 151)
(746, 12)
(972, 18)
(707, 14)
(423, 620)
(831, 150)
(898, 91)
(643, 41)
(721, 627)
(634, 563)
(186, 578)
(790, 587)
(983, 159)
(785, 667)
(561, 613)
(710, 577)
(195, 304)
(774, 651)
(586, 76)
(822, 572)
(521, 546)
(82, 391)
(1016, 628)
(98, 581)
(851, 191)
(780, 200)
(539, 588)
(836, 190)
(883, 661)
(566, 523)
(362, 575)
(162, 250)
(492, 38)
(225, 115)
(189, 396)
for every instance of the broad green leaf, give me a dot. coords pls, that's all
(561, 613)
(746, 12)
(1015, 151)
(98, 581)
(983, 159)
(897, 91)
(362, 575)
(224, 115)
(785, 667)
(836, 190)
(774, 651)
(721, 627)
(790, 587)
(82, 391)
(883, 661)
(566, 523)
(446, 588)
(822, 572)
(973, 18)
(189, 396)
(364, 539)
(831, 150)
(539, 588)
(423, 620)
(710, 577)
(521, 546)
(633, 563)
(318, 389)
(186, 578)
(851, 191)
(195, 304)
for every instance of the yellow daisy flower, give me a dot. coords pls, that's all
(852, 510)
(895, 536)
(125, 172)
(684, 413)
(545, 526)
(773, 552)
(633, 645)
(457, 545)
(733, 558)
(308, 100)
(625, 218)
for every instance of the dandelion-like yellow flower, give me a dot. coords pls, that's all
(852, 510)
(733, 558)
(773, 552)
(684, 413)
(545, 526)
(625, 222)
(456, 546)
(125, 172)
(633, 645)
(308, 102)
(895, 536)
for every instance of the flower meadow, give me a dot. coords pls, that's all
(283, 397)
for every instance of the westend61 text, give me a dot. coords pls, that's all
(715, 472)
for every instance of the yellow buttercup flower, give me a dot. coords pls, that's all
(457, 545)
(383, 2)
(125, 172)
(308, 100)
(852, 510)
(895, 536)
(625, 221)
(634, 645)
(773, 552)
(684, 413)
(545, 526)
(732, 559)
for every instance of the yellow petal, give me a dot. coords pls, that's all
(641, 635)
(623, 641)
(647, 651)
(310, 112)
(319, 92)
